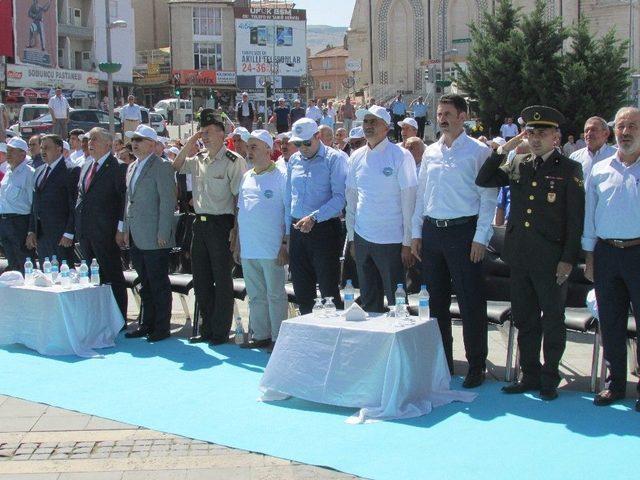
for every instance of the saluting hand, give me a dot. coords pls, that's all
(514, 142)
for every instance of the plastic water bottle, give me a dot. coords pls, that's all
(65, 279)
(423, 304)
(349, 294)
(46, 268)
(84, 273)
(55, 268)
(239, 338)
(28, 272)
(401, 299)
(95, 272)
(318, 307)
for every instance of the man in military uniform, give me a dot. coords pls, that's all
(542, 242)
(216, 174)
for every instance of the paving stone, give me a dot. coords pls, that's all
(59, 456)
(85, 444)
(64, 450)
(121, 448)
(119, 454)
(22, 457)
(40, 456)
(44, 450)
(106, 444)
(81, 450)
(74, 456)
(100, 455)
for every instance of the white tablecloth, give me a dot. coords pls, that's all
(55, 321)
(387, 371)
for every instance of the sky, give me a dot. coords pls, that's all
(336, 13)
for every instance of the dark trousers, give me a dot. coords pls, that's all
(13, 234)
(48, 247)
(421, 123)
(445, 258)
(617, 283)
(314, 258)
(380, 270)
(282, 127)
(152, 267)
(534, 292)
(211, 263)
(107, 253)
(396, 127)
(246, 122)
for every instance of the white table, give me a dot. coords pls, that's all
(57, 321)
(385, 370)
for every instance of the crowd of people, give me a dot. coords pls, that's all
(264, 202)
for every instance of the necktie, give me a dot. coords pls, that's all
(89, 177)
(45, 176)
(537, 162)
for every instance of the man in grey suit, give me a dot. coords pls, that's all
(149, 232)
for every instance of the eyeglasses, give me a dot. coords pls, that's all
(137, 139)
(306, 143)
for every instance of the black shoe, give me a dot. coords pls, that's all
(519, 387)
(548, 394)
(257, 343)
(156, 337)
(140, 332)
(473, 379)
(199, 339)
(218, 341)
(607, 397)
(124, 327)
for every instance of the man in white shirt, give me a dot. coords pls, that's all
(76, 144)
(131, 116)
(261, 245)
(287, 149)
(508, 130)
(596, 134)
(59, 110)
(408, 128)
(381, 193)
(611, 239)
(314, 112)
(451, 229)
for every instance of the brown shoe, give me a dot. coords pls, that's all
(607, 397)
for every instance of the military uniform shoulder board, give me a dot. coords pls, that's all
(231, 155)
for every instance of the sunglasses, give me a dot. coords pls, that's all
(137, 139)
(306, 143)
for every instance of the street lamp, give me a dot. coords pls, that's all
(109, 67)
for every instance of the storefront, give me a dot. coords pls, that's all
(206, 88)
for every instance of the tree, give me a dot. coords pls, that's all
(594, 78)
(494, 75)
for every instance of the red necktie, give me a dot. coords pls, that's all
(89, 177)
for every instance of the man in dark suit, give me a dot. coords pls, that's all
(149, 231)
(52, 224)
(542, 242)
(99, 209)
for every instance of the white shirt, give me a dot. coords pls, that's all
(314, 113)
(245, 109)
(376, 180)
(43, 168)
(261, 211)
(588, 160)
(136, 174)
(16, 189)
(611, 207)
(507, 130)
(331, 112)
(59, 105)
(281, 164)
(131, 112)
(447, 186)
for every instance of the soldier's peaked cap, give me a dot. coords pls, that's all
(209, 116)
(540, 116)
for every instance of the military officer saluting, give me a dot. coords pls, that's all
(542, 242)
(216, 173)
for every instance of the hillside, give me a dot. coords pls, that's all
(319, 36)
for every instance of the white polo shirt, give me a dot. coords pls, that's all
(60, 106)
(131, 112)
(378, 176)
(261, 212)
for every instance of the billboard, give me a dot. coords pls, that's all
(270, 41)
(6, 28)
(26, 76)
(35, 30)
(203, 78)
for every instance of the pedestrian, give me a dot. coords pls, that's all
(287, 149)
(4, 122)
(416, 147)
(315, 199)
(130, 116)
(381, 193)
(282, 113)
(612, 242)
(508, 130)
(59, 110)
(408, 129)
(451, 231)
(569, 147)
(596, 134)
(35, 155)
(314, 112)
(245, 112)
(346, 114)
(216, 173)
(297, 112)
(262, 243)
(542, 242)
(398, 109)
(420, 114)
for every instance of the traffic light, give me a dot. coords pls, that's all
(177, 91)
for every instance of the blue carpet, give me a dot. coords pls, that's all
(210, 394)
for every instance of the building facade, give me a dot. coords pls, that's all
(329, 71)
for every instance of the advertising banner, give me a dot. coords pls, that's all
(26, 76)
(6, 28)
(270, 41)
(35, 29)
(203, 78)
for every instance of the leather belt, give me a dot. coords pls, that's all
(5, 216)
(450, 222)
(633, 242)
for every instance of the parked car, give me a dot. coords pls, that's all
(28, 113)
(158, 123)
(86, 119)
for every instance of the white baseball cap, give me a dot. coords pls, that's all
(356, 133)
(264, 136)
(303, 129)
(242, 132)
(174, 150)
(497, 140)
(143, 131)
(283, 135)
(409, 121)
(17, 142)
(163, 140)
(380, 112)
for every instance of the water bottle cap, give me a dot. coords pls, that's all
(83, 261)
(349, 282)
(55, 257)
(28, 259)
(46, 259)
(400, 285)
(64, 262)
(423, 287)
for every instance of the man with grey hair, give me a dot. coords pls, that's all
(596, 133)
(326, 135)
(416, 147)
(611, 239)
(99, 210)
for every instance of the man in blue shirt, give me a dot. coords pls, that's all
(420, 114)
(398, 112)
(282, 113)
(314, 200)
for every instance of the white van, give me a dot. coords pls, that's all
(182, 112)
(28, 112)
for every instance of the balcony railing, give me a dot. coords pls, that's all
(68, 30)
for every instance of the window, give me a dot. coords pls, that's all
(207, 21)
(207, 56)
(326, 65)
(86, 56)
(326, 86)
